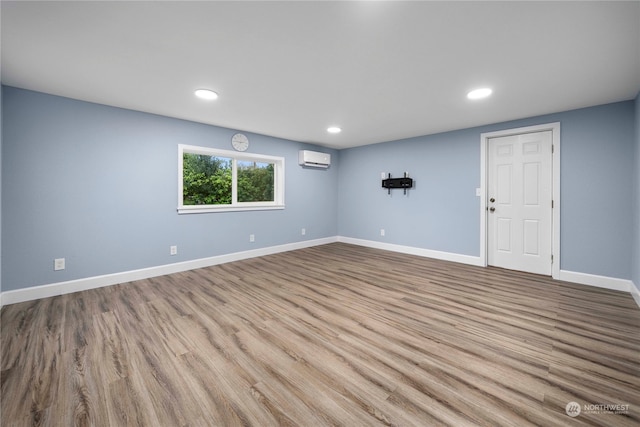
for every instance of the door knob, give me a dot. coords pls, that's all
(492, 209)
(492, 200)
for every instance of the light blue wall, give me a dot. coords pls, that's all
(97, 185)
(635, 260)
(442, 212)
(596, 188)
(439, 213)
(1, 133)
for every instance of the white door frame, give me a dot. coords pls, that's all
(555, 156)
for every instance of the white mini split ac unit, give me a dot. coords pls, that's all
(314, 159)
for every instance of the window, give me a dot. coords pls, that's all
(211, 180)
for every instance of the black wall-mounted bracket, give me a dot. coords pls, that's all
(403, 183)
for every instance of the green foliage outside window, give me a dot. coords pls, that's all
(255, 182)
(207, 180)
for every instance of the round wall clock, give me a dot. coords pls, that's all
(240, 142)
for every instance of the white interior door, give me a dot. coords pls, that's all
(520, 193)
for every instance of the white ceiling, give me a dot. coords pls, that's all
(380, 70)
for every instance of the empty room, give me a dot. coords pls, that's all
(320, 213)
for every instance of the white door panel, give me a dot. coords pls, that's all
(520, 192)
(531, 176)
(505, 178)
(531, 233)
(503, 235)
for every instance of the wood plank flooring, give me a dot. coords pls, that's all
(334, 335)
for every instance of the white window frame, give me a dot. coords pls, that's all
(278, 191)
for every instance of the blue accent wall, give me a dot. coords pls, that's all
(98, 185)
(596, 189)
(442, 212)
(635, 260)
(1, 133)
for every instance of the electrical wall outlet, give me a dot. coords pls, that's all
(382, 231)
(252, 237)
(58, 264)
(304, 231)
(173, 250)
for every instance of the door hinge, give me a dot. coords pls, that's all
(552, 259)
(552, 204)
(553, 148)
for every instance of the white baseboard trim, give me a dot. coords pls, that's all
(635, 292)
(568, 276)
(599, 281)
(411, 250)
(61, 288)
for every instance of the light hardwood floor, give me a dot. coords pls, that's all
(329, 335)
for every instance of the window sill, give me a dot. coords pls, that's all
(210, 209)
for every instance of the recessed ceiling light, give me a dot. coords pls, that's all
(206, 94)
(479, 93)
(334, 129)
